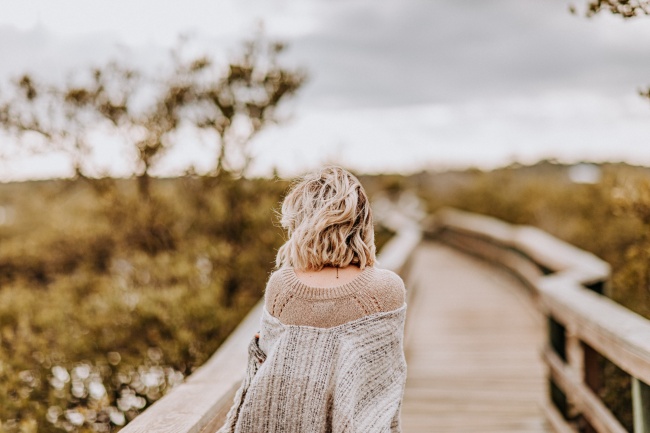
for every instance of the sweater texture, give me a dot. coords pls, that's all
(347, 378)
(295, 303)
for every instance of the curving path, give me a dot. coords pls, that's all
(473, 342)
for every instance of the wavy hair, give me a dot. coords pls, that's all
(328, 220)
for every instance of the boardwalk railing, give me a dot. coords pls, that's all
(200, 404)
(585, 328)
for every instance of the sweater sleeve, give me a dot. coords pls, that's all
(256, 358)
(274, 294)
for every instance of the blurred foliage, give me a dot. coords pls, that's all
(230, 103)
(610, 218)
(382, 236)
(623, 8)
(107, 302)
(616, 392)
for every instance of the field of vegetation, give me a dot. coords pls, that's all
(107, 302)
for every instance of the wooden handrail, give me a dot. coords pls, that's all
(202, 401)
(547, 253)
(583, 325)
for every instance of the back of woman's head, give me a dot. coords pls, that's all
(329, 222)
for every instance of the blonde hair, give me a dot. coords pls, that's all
(328, 220)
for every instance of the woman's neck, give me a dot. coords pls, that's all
(328, 276)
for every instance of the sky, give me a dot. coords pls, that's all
(394, 86)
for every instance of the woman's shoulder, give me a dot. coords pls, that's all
(275, 286)
(388, 287)
(276, 275)
(389, 279)
(275, 280)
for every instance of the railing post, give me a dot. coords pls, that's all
(557, 342)
(592, 375)
(641, 406)
(576, 359)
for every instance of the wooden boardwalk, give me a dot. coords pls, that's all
(473, 343)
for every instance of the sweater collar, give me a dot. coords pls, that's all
(300, 289)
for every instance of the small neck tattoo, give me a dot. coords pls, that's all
(337, 272)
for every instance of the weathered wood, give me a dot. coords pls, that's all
(584, 398)
(577, 358)
(398, 249)
(533, 243)
(617, 333)
(556, 420)
(472, 348)
(592, 325)
(481, 246)
(641, 402)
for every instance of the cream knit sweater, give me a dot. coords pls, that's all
(295, 303)
(344, 378)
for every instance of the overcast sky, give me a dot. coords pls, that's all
(398, 85)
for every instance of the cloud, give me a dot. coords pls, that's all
(368, 52)
(41, 52)
(483, 133)
(392, 53)
(448, 83)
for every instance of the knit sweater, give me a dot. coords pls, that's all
(342, 379)
(295, 303)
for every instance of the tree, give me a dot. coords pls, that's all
(44, 121)
(242, 101)
(236, 107)
(235, 102)
(65, 118)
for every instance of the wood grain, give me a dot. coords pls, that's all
(473, 344)
(614, 331)
(587, 403)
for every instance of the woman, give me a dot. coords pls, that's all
(329, 355)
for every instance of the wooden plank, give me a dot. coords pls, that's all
(556, 420)
(614, 331)
(541, 247)
(641, 402)
(470, 366)
(587, 403)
